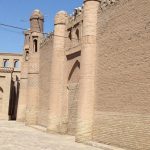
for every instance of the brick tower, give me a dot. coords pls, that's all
(36, 25)
(87, 74)
(24, 80)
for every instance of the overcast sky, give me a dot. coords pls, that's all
(17, 13)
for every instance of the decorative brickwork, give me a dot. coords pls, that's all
(6, 70)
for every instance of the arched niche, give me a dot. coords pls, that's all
(16, 64)
(35, 45)
(1, 97)
(74, 73)
(6, 63)
(77, 34)
(73, 85)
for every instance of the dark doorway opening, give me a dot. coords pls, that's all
(14, 96)
(35, 44)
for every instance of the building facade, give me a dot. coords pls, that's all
(10, 69)
(90, 77)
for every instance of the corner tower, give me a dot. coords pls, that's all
(36, 24)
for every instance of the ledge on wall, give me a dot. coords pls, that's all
(103, 146)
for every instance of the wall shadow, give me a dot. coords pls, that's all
(13, 101)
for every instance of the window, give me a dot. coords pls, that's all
(6, 63)
(16, 63)
(27, 56)
(35, 45)
(78, 34)
(70, 35)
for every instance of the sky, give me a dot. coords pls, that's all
(18, 12)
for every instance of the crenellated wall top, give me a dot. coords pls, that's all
(46, 39)
(76, 16)
(105, 3)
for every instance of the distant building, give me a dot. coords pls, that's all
(90, 77)
(10, 69)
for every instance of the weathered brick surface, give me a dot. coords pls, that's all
(22, 102)
(129, 131)
(36, 34)
(107, 99)
(33, 90)
(87, 73)
(57, 83)
(72, 76)
(122, 76)
(72, 107)
(5, 81)
(45, 72)
(72, 69)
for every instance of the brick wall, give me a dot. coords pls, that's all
(45, 61)
(73, 72)
(122, 107)
(5, 81)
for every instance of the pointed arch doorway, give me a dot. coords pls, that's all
(73, 85)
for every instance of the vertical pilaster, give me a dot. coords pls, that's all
(22, 103)
(33, 89)
(57, 74)
(87, 74)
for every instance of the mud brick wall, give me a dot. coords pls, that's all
(122, 107)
